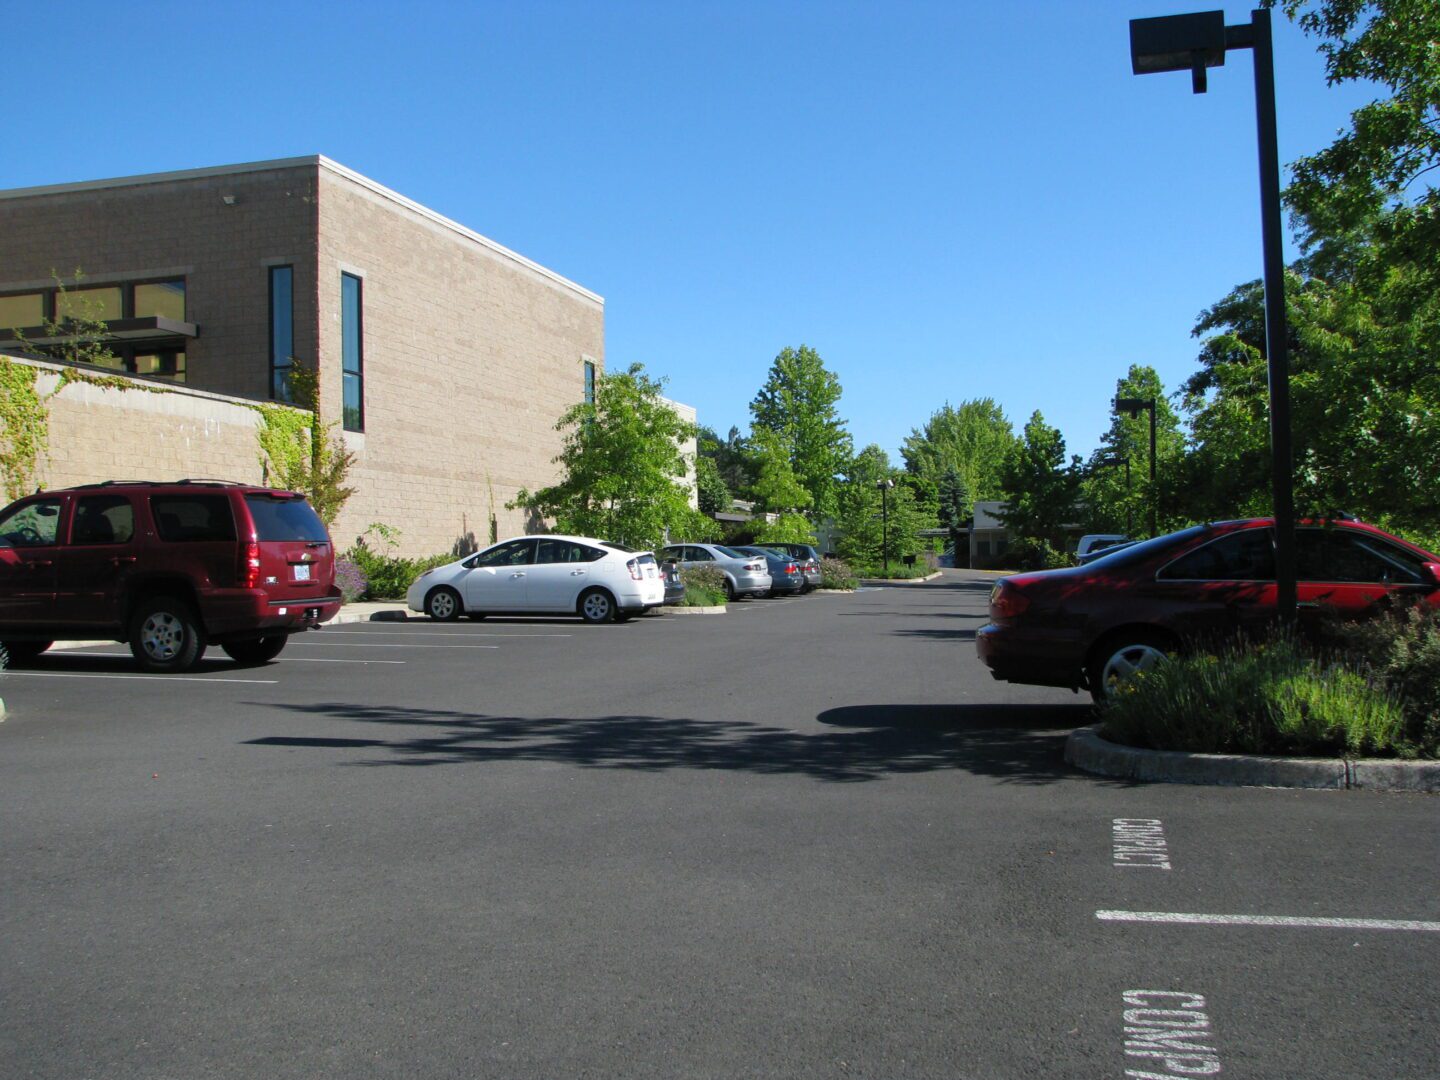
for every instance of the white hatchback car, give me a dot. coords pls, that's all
(534, 575)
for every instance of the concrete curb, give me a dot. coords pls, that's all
(899, 581)
(1086, 750)
(714, 609)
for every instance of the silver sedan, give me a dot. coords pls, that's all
(745, 575)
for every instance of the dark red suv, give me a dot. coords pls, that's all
(168, 567)
(1092, 625)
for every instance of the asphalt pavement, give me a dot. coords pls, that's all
(810, 838)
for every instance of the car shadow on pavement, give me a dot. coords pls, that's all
(1016, 743)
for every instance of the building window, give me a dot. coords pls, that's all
(127, 300)
(352, 347)
(282, 331)
(589, 382)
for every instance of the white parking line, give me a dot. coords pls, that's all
(388, 645)
(1265, 920)
(288, 659)
(165, 678)
(428, 633)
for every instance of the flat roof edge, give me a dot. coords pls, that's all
(161, 177)
(454, 226)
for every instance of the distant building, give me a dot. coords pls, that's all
(445, 358)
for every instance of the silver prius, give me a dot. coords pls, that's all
(745, 575)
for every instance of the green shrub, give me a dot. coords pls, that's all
(704, 585)
(388, 575)
(1401, 651)
(1029, 553)
(1273, 697)
(897, 571)
(836, 574)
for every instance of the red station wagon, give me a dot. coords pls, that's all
(168, 567)
(1089, 626)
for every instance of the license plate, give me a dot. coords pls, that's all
(302, 572)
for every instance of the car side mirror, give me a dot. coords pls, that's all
(1432, 570)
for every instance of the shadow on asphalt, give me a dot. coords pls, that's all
(1015, 743)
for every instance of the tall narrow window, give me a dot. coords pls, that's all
(353, 352)
(589, 382)
(282, 331)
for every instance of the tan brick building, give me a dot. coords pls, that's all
(448, 357)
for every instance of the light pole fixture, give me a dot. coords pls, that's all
(1132, 406)
(1194, 43)
(885, 486)
(1113, 461)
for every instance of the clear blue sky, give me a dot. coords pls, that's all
(947, 200)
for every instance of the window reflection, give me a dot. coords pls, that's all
(27, 309)
(99, 303)
(163, 298)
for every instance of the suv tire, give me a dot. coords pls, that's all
(165, 635)
(257, 651)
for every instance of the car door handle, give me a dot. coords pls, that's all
(518, 573)
(120, 560)
(39, 564)
(1307, 603)
(577, 573)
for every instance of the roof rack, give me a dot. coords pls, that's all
(162, 483)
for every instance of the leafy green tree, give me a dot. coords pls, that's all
(733, 459)
(786, 529)
(776, 490)
(622, 466)
(1040, 488)
(1108, 505)
(953, 505)
(859, 542)
(711, 492)
(974, 439)
(798, 403)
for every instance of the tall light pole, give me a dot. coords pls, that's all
(1132, 406)
(885, 486)
(1193, 43)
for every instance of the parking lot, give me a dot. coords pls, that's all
(808, 838)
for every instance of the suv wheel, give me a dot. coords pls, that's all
(443, 604)
(260, 651)
(165, 635)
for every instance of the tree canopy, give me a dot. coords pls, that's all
(622, 466)
(973, 438)
(798, 403)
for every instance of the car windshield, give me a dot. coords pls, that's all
(1143, 549)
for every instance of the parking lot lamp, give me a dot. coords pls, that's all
(1194, 43)
(1131, 406)
(885, 486)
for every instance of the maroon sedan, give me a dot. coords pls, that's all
(1090, 626)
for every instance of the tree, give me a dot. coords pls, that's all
(953, 507)
(622, 466)
(974, 439)
(1108, 505)
(711, 492)
(1040, 489)
(798, 403)
(733, 459)
(776, 489)
(859, 506)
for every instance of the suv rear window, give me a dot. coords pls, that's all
(191, 518)
(279, 518)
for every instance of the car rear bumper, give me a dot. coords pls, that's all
(1013, 656)
(242, 613)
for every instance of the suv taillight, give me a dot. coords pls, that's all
(250, 565)
(1006, 601)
